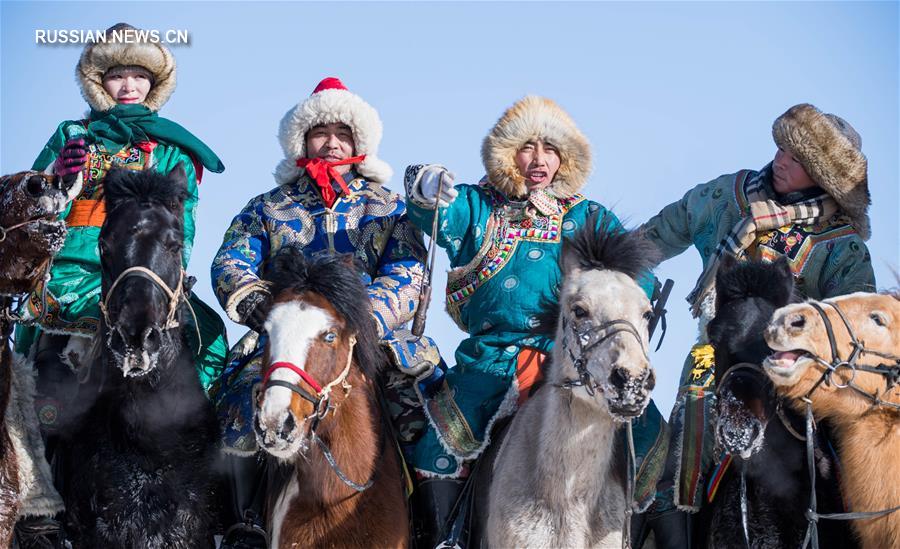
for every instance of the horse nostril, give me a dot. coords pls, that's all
(288, 426)
(618, 378)
(650, 382)
(152, 339)
(798, 321)
(35, 185)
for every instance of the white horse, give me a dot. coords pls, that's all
(557, 481)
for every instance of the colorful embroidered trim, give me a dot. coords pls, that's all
(534, 229)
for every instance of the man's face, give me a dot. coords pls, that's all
(127, 87)
(331, 142)
(789, 175)
(538, 162)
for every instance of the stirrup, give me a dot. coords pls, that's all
(248, 527)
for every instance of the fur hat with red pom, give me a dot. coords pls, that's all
(329, 103)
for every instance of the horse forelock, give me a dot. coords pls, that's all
(772, 282)
(608, 246)
(145, 187)
(337, 280)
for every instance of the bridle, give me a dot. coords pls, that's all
(176, 297)
(322, 404)
(891, 373)
(6, 230)
(752, 368)
(587, 337)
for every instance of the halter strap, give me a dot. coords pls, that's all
(297, 370)
(5, 230)
(322, 395)
(174, 297)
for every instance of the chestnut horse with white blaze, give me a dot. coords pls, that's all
(318, 411)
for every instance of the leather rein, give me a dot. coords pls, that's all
(891, 374)
(176, 297)
(587, 337)
(322, 404)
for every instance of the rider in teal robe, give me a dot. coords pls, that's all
(503, 238)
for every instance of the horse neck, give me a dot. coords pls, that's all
(869, 448)
(353, 433)
(578, 432)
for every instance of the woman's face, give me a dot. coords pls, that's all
(788, 174)
(538, 163)
(127, 86)
(331, 142)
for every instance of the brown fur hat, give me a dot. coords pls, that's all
(97, 59)
(829, 150)
(529, 119)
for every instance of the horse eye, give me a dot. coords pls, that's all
(579, 311)
(330, 337)
(647, 315)
(879, 319)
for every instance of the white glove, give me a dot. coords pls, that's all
(430, 179)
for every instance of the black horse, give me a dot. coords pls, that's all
(765, 439)
(140, 460)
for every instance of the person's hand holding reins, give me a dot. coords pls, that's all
(433, 189)
(71, 159)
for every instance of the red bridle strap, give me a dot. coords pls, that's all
(299, 371)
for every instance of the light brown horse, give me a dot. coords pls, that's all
(844, 355)
(318, 412)
(30, 235)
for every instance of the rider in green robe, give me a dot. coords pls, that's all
(124, 83)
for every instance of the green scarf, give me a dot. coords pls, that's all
(124, 125)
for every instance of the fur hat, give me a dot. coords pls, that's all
(329, 103)
(828, 148)
(529, 119)
(98, 59)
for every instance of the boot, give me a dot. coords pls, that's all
(671, 529)
(247, 476)
(434, 500)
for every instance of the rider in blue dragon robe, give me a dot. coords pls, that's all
(503, 237)
(330, 199)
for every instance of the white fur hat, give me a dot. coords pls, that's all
(329, 103)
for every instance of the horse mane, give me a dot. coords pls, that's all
(609, 247)
(772, 282)
(145, 187)
(336, 278)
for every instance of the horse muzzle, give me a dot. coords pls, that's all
(740, 428)
(627, 395)
(279, 434)
(137, 363)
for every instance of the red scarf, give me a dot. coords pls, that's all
(322, 172)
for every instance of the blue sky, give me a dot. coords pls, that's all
(670, 94)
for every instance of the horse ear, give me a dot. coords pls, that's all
(783, 269)
(727, 263)
(570, 258)
(178, 176)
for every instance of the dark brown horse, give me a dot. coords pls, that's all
(30, 235)
(318, 412)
